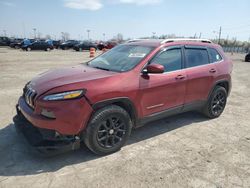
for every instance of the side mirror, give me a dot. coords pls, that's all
(154, 69)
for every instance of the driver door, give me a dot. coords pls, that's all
(165, 91)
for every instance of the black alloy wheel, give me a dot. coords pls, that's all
(108, 130)
(111, 131)
(218, 103)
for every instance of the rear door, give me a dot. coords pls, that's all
(200, 73)
(164, 91)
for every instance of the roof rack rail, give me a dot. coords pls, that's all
(135, 40)
(185, 39)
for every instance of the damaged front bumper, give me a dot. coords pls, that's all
(47, 142)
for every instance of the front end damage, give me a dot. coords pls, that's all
(45, 141)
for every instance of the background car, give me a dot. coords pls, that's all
(56, 43)
(68, 44)
(247, 58)
(38, 45)
(16, 43)
(107, 45)
(86, 45)
(4, 41)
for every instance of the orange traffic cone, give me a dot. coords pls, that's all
(92, 52)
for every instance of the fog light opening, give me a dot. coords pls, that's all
(48, 114)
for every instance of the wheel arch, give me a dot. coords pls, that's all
(123, 102)
(223, 83)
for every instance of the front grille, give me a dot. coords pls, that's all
(29, 95)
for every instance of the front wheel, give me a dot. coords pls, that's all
(216, 102)
(108, 130)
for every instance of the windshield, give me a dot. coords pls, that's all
(121, 58)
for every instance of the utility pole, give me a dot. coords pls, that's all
(200, 35)
(219, 35)
(88, 31)
(34, 29)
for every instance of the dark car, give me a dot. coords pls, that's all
(85, 46)
(5, 41)
(16, 43)
(56, 43)
(107, 45)
(247, 58)
(38, 45)
(132, 84)
(68, 44)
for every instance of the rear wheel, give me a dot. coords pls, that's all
(108, 130)
(216, 102)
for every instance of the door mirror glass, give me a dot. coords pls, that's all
(154, 69)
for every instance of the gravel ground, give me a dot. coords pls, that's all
(186, 150)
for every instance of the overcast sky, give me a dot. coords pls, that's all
(132, 18)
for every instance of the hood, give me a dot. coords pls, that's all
(68, 75)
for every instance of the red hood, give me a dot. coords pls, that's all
(68, 75)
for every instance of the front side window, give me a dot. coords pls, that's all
(196, 57)
(121, 58)
(214, 55)
(170, 59)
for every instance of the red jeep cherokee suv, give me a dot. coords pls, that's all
(99, 102)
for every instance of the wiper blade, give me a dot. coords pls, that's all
(102, 68)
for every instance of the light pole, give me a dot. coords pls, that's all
(219, 33)
(4, 33)
(34, 29)
(88, 31)
(103, 36)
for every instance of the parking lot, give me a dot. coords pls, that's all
(186, 150)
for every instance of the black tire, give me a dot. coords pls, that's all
(108, 130)
(216, 103)
(247, 59)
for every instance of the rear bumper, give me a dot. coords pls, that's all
(43, 140)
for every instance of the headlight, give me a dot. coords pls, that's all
(64, 95)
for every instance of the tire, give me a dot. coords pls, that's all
(247, 59)
(108, 130)
(216, 103)
(28, 49)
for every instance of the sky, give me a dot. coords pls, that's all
(131, 18)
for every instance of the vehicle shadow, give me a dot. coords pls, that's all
(17, 157)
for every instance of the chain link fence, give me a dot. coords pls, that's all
(236, 49)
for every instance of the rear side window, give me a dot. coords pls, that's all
(170, 59)
(196, 57)
(214, 55)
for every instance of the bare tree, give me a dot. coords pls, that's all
(47, 37)
(118, 38)
(39, 35)
(65, 36)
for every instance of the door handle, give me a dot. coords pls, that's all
(212, 70)
(179, 77)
